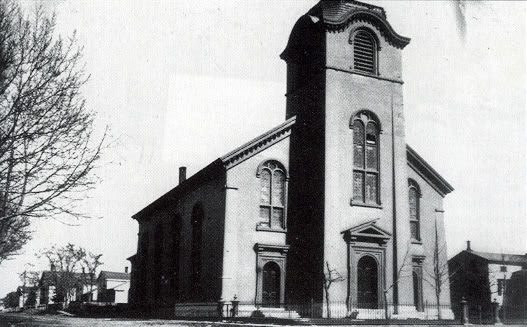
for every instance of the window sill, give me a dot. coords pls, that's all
(367, 205)
(261, 228)
(414, 241)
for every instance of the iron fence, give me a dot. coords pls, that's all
(356, 312)
(312, 310)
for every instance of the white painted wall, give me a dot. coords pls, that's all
(495, 273)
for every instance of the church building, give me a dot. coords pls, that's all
(334, 192)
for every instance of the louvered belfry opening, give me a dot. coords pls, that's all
(364, 52)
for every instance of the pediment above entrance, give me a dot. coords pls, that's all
(367, 232)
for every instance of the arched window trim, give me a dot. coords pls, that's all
(269, 227)
(367, 117)
(277, 162)
(366, 29)
(412, 184)
(376, 44)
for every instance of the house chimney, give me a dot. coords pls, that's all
(52, 267)
(182, 174)
(126, 270)
(468, 246)
(83, 271)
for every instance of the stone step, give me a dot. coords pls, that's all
(279, 313)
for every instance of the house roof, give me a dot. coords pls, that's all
(25, 289)
(426, 171)
(114, 275)
(502, 258)
(48, 277)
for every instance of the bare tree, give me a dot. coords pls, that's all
(65, 262)
(90, 263)
(47, 144)
(438, 275)
(399, 276)
(29, 278)
(330, 276)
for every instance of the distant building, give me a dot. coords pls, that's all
(481, 277)
(113, 286)
(79, 287)
(515, 299)
(334, 185)
(27, 296)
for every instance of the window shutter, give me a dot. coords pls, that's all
(364, 52)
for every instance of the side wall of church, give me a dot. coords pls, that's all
(431, 212)
(242, 218)
(178, 288)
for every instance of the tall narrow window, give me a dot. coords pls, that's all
(364, 52)
(417, 278)
(143, 266)
(176, 240)
(272, 195)
(365, 159)
(158, 261)
(197, 234)
(413, 198)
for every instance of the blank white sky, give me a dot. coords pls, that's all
(183, 82)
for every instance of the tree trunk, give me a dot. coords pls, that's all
(386, 316)
(438, 296)
(328, 305)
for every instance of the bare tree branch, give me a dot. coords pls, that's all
(48, 147)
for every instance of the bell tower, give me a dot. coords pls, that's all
(348, 150)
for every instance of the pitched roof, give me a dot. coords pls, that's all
(25, 289)
(258, 144)
(426, 171)
(504, 258)
(48, 277)
(222, 164)
(114, 275)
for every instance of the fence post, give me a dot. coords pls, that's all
(235, 303)
(496, 312)
(221, 304)
(464, 310)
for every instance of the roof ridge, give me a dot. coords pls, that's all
(246, 148)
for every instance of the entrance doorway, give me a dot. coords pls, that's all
(271, 285)
(367, 283)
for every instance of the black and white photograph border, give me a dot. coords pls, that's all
(269, 162)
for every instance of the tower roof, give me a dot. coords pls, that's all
(338, 14)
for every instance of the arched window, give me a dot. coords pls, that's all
(272, 195)
(414, 194)
(364, 52)
(365, 159)
(197, 235)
